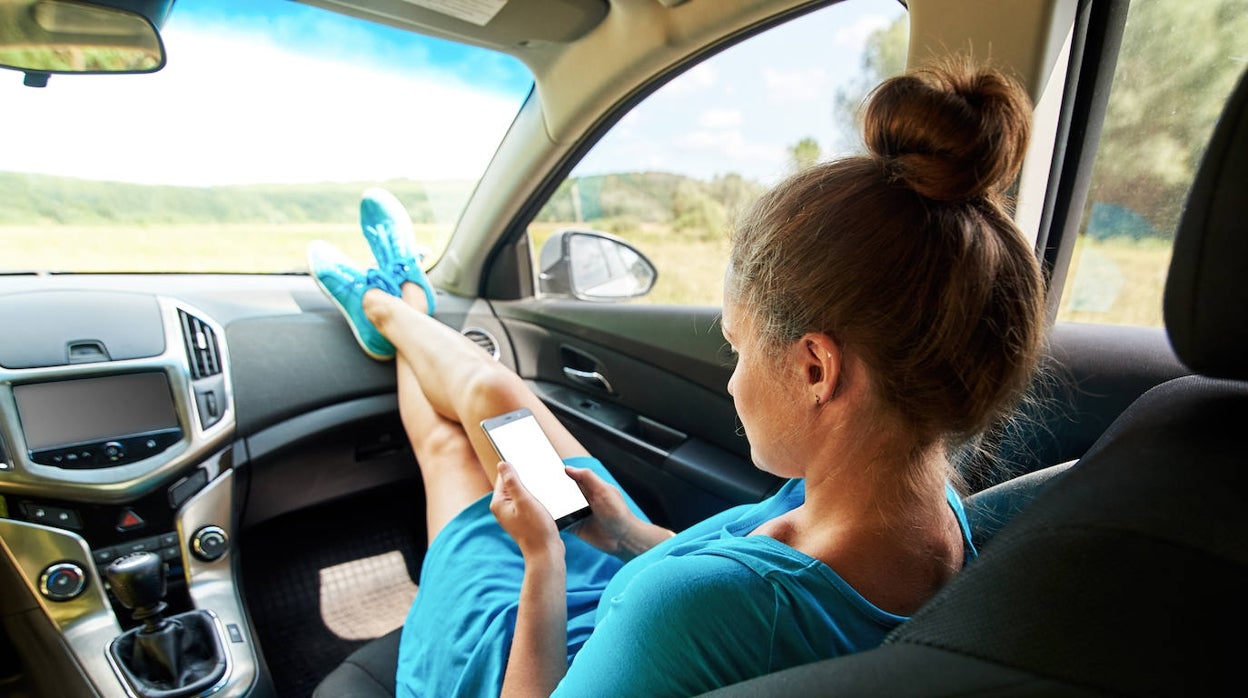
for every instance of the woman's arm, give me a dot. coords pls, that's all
(613, 528)
(539, 649)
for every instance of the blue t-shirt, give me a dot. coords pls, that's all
(715, 605)
(706, 608)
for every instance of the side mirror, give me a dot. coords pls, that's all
(41, 37)
(594, 266)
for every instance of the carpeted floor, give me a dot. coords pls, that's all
(321, 583)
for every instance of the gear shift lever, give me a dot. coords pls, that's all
(138, 581)
(166, 657)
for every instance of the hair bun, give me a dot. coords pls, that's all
(952, 133)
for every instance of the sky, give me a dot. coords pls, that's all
(264, 92)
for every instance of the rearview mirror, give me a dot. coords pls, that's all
(594, 266)
(40, 37)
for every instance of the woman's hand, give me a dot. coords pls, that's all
(522, 516)
(539, 648)
(613, 528)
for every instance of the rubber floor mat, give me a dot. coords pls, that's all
(321, 583)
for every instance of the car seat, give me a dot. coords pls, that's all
(1126, 575)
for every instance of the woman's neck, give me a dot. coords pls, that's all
(879, 517)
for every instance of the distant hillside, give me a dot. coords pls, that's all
(632, 198)
(29, 199)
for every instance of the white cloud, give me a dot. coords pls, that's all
(728, 145)
(719, 118)
(806, 85)
(855, 35)
(239, 109)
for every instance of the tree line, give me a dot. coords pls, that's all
(617, 202)
(34, 199)
(1178, 62)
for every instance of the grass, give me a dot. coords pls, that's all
(242, 247)
(1115, 281)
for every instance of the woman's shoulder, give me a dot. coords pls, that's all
(753, 566)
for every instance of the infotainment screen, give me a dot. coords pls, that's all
(101, 421)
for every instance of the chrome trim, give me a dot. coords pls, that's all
(86, 622)
(123, 483)
(211, 583)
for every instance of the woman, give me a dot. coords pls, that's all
(884, 309)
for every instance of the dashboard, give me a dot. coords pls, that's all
(166, 414)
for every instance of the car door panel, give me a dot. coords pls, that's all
(671, 440)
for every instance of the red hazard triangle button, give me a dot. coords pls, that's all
(130, 521)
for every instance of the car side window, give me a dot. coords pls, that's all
(1177, 64)
(672, 174)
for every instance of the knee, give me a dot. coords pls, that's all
(494, 389)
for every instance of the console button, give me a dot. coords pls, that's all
(113, 451)
(210, 543)
(51, 516)
(62, 581)
(130, 521)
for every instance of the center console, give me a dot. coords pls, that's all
(116, 449)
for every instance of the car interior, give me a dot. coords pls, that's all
(228, 424)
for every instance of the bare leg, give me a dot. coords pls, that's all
(459, 381)
(449, 467)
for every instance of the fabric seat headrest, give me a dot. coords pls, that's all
(1206, 301)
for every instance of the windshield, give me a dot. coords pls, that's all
(260, 134)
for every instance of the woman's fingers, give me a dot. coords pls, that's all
(596, 489)
(519, 512)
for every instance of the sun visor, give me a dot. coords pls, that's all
(497, 24)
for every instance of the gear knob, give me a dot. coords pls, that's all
(138, 582)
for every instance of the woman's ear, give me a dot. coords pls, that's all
(821, 359)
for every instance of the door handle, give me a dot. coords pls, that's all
(592, 379)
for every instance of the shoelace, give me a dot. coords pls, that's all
(386, 282)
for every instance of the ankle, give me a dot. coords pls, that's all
(376, 309)
(414, 296)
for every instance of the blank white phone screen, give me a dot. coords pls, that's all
(523, 444)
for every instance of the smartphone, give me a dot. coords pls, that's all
(519, 440)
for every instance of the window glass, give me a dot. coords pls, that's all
(1178, 63)
(672, 174)
(266, 125)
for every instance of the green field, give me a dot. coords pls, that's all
(1118, 281)
(234, 247)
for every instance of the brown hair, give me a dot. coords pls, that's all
(906, 256)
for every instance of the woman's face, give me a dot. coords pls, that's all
(762, 389)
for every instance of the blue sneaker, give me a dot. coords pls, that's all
(388, 230)
(345, 285)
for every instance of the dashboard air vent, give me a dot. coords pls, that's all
(201, 346)
(483, 339)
